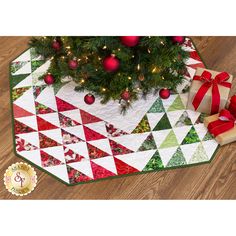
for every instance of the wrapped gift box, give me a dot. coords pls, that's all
(224, 138)
(206, 102)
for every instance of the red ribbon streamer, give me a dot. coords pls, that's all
(224, 123)
(209, 81)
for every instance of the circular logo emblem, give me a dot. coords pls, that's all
(20, 179)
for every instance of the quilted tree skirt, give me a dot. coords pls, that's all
(57, 132)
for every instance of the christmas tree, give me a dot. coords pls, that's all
(118, 68)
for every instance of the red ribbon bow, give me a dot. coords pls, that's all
(206, 77)
(224, 123)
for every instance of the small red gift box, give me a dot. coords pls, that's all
(222, 126)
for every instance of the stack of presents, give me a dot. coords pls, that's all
(209, 94)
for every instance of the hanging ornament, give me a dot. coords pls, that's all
(89, 99)
(141, 77)
(56, 45)
(73, 64)
(164, 93)
(111, 63)
(49, 79)
(125, 95)
(178, 39)
(130, 41)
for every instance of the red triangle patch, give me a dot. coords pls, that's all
(48, 160)
(22, 145)
(123, 168)
(44, 125)
(195, 66)
(42, 109)
(46, 141)
(118, 149)
(76, 176)
(66, 121)
(69, 138)
(21, 128)
(20, 112)
(63, 105)
(95, 152)
(91, 135)
(194, 55)
(100, 172)
(71, 156)
(88, 118)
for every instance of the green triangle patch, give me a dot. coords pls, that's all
(170, 140)
(191, 137)
(36, 64)
(207, 137)
(16, 79)
(148, 144)
(155, 163)
(157, 107)
(177, 159)
(183, 120)
(142, 127)
(199, 155)
(164, 123)
(177, 105)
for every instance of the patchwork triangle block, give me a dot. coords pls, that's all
(155, 163)
(68, 138)
(148, 144)
(45, 141)
(118, 149)
(95, 152)
(44, 125)
(66, 121)
(88, 118)
(99, 172)
(63, 105)
(123, 168)
(91, 134)
(71, 156)
(48, 160)
(177, 159)
(164, 123)
(143, 126)
(177, 104)
(157, 106)
(42, 109)
(107, 163)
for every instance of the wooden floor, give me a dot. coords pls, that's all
(216, 180)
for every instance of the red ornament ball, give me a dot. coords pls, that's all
(178, 39)
(164, 93)
(73, 64)
(130, 41)
(56, 45)
(125, 95)
(49, 79)
(111, 63)
(89, 99)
